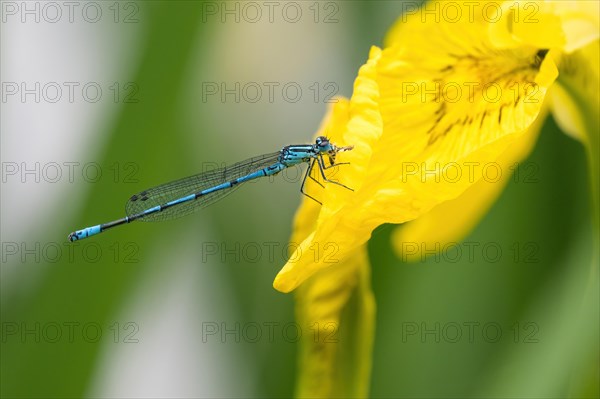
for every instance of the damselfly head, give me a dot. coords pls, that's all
(322, 143)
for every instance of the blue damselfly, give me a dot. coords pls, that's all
(184, 196)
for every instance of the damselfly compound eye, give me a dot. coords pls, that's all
(322, 141)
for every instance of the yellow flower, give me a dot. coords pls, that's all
(429, 116)
(571, 31)
(436, 119)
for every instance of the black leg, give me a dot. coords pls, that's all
(332, 162)
(322, 169)
(316, 181)
(335, 164)
(308, 174)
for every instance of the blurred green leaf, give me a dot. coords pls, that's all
(80, 293)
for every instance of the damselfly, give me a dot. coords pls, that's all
(184, 196)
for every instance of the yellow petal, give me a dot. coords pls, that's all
(528, 23)
(449, 222)
(406, 142)
(576, 107)
(336, 310)
(579, 20)
(567, 25)
(361, 124)
(449, 100)
(559, 24)
(575, 97)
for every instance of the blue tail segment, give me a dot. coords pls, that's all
(88, 231)
(184, 196)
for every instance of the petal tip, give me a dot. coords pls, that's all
(283, 284)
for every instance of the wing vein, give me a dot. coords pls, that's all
(167, 192)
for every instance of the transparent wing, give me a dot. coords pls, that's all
(167, 192)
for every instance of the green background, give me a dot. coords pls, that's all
(169, 285)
